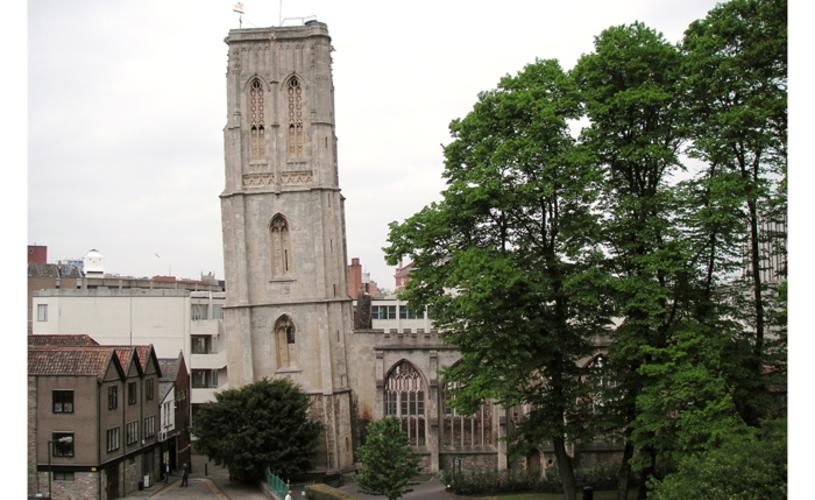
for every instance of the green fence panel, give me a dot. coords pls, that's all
(277, 485)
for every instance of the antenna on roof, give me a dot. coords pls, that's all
(239, 9)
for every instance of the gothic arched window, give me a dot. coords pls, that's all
(280, 247)
(405, 400)
(285, 342)
(465, 431)
(597, 379)
(257, 129)
(296, 135)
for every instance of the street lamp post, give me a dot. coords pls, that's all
(64, 439)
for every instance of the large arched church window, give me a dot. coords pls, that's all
(405, 392)
(296, 134)
(280, 246)
(597, 380)
(257, 128)
(465, 432)
(285, 342)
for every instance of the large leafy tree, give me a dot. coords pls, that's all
(387, 465)
(259, 425)
(630, 88)
(510, 259)
(736, 86)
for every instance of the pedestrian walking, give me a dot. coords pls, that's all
(185, 474)
(167, 473)
(288, 495)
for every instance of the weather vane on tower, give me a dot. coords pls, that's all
(239, 9)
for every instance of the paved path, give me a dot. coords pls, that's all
(215, 485)
(430, 489)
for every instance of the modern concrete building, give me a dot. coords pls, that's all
(172, 320)
(70, 275)
(92, 418)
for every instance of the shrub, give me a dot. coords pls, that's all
(387, 465)
(259, 425)
(490, 482)
(326, 492)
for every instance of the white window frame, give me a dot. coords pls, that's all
(42, 312)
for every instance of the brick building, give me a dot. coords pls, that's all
(92, 418)
(174, 431)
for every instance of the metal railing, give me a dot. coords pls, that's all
(277, 485)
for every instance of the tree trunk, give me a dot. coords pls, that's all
(564, 465)
(642, 491)
(756, 275)
(624, 475)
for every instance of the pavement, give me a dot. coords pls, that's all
(428, 489)
(206, 481)
(210, 481)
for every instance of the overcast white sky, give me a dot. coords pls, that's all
(127, 105)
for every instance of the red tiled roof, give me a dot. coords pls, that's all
(61, 340)
(73, 360)
(124, 353)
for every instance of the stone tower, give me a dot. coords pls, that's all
(287, 311)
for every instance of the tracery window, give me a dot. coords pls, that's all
(296, 134)
(280, 247)
(257, 130)
(597, 381)
(285, 342)
(405, 400)
(465, 431)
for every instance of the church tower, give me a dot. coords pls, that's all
(287, 312)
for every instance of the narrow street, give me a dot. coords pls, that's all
(210, 482)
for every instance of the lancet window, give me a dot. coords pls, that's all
(285, 342)
(296, 133)
(280, 246)
(257, 128)
(465, 432)
(405, 400)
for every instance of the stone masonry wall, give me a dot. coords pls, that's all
(85, 486)
(470, 461)
(32, 436)
(131, 468)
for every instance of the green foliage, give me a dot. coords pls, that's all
(515, 239)
(685, 405)
(736, 88)
(260, 425)
(540, 238)
(387, 465)
(630, 89)
(492, 482)
(747, 465)
(325, 492)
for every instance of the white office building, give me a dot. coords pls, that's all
(173, 321)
